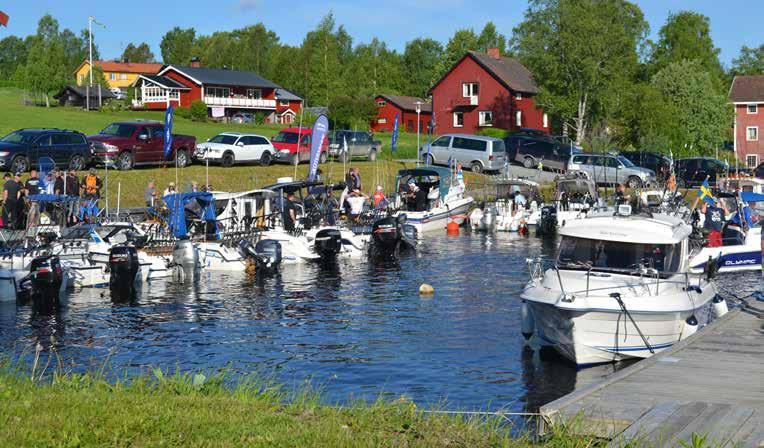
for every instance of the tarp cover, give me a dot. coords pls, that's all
(201, 204)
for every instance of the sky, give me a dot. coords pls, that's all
(734, 23)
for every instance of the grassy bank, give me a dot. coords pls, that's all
(192, 410)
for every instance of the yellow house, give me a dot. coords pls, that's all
(117, 74)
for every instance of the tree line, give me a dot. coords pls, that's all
(600, 78)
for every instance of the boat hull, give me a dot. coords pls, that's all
(741, 257)
(437, 218)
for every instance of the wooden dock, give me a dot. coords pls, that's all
(709, 385)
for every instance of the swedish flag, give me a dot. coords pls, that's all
(705, 193)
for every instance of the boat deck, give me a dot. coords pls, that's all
(711, 384)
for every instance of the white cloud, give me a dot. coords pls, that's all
(247, 5)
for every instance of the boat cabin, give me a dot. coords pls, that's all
(575, 193)
(434, 183)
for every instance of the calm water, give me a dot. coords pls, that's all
(358, 330)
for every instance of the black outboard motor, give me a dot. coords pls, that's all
(547, 224)
(386, 234)
(266, 254)
(328, 243)
(46, 278)
(125, 271)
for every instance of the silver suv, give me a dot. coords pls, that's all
(474, 151)
(611, 169)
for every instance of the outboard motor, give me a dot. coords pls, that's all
(185, 255)
(266, 254)
(489, 219)
(386, 234)
(125, 271)
(547, 224)
(328, 243)
(46, 280)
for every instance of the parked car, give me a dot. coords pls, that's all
(118, 93)
(360, 144)
(530, 150)
(476, 152)
(657, 162)
(692, 171)
(285, 143)
(133, 143)
(21, 150)
(242, 118)
(611, 169)
(230, 148)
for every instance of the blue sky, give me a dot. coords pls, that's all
(734, 22)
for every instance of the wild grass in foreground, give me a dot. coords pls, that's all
(158, 409)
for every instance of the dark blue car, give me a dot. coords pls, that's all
(21, 150)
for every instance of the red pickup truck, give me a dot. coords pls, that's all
(132, 143)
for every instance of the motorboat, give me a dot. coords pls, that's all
(575, 196)
(517, 203)
(390, 235)
(620, 288)
(741, 248)
(446, 199)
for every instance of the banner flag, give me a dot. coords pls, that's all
(394, 144)
(4, 19)
(320, 129)
(168, 132)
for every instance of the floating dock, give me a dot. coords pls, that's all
(710, 385)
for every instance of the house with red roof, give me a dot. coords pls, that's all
(406, 108)
(747, 97)
(484, 90)
(118, 74)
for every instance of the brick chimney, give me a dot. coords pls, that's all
(195, 62)
(494, 53)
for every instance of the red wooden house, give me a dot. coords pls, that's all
(226, 92)
(405, 107)
(486, 90)
(747, 95)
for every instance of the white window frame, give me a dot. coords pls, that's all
(381, 103)
(123, 76)
(112, 76)
(218, 92)
(456, 121)
(748, 130)
(518, 96)
(518, 118)
(382, 120)
(470, 89)
(481, 118)
(254, 94)
(284, 103)
(753, 157)
(755, 110)
(545, 120)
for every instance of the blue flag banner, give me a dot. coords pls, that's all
(320, 129)
(168, 132)
(394, 144)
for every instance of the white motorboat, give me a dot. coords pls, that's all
(214, 256)
(446, 200)
(620, 288)
(575, 196)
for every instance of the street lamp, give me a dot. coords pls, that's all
(418, 111)
(91, 20)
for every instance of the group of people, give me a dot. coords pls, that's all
(152, 197)
(723, 227)
(353, 199)
(19, 212)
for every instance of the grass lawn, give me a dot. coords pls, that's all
(191, 410)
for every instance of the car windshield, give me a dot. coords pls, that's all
(19, 137)
(584, 253)
(224, 139)
(626, 162)
(285, 137)
(119, 130)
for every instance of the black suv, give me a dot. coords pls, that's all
(530, 149)
(657, 162)
(21, 150)
(691, 172)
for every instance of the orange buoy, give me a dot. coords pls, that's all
(452, 228)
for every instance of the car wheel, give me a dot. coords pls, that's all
(181, 157)
(20, 164)
(295, 159)
(529, 163)
(322, 157)
(476, 167)
(634, 182)
(372, 155)
(429, 160)
(265, 159)
(125, 161)
(77, 163)
(228, 160)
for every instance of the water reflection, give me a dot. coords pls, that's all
(359, 329)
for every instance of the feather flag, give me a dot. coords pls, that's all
(4, 19)
(168, 132)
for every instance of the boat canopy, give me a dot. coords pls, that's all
(748, 196)
(291, 187)
(200, 204)
(637, 229)
(442, 173)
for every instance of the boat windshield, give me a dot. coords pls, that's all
(584, 253)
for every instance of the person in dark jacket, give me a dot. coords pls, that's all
(72, 184)
(10, 199)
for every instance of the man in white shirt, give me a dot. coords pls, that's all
(356, 200)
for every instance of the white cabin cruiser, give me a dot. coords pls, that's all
(620, 288)
(517, 204)
(445, 199)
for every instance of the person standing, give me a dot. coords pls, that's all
(150, 193)
(379, 199)
(20, 215)
(32, 187)
(714, 223)
(170, 189)
(72, 184)
(289, 213)
(91, 186)
(356, 201)
(58, 183)
(10, 200)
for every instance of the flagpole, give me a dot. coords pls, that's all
(299, 138)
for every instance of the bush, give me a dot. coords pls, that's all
(493, 132)
(259, 118)
(198, 111)
(183, 112)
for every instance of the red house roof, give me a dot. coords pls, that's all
(747, 89)
(408, 103)
(508, 71)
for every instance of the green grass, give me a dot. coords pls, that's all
(157, 409)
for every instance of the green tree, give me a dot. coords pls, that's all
(46, 68)
(177, 45)
(13, 54)
(421, 65)
(375, 70)
(701, 114)
(353, 112)
(138, 53)
(583, 54)
(460, 43)
(490, 38)
(686, 35)
(327, 51)
(646, 121)
(750, 61)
